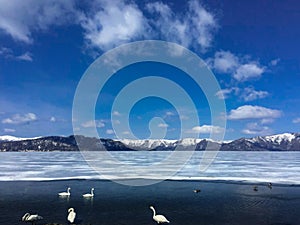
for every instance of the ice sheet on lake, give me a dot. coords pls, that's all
(276, 167)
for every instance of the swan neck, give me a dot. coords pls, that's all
(154, 213)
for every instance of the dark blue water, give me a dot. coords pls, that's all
(217, 203)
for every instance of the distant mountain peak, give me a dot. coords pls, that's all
(277, 142)
(13, 138)
(10, 138)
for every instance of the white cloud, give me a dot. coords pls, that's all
(240, 67)
(114, 23)
(267, 121)
(225, 62)
(117, 122)
(163, 11)
(93, 123)
(296, 120)
(248, 71)
(117, 22)
(116, 113)
(8, 130)
(77, 129)
(203, 24)
(169, 113)
(6, 52)
(257, 129)
(206, 129)
(52, 119)
(20, 19)
(162, 125)
(194, 28)
(253, 112)
(88, 124)
(249, 94)
(184, 117)
(27, 56)
(274, 62)
(224, 93)
(20, 119)
(109, 131)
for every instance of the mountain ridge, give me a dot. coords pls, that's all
(277, 142)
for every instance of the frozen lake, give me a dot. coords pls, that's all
(252, 167)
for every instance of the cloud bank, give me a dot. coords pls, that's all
(20, 19)
(107, 24)
(20, 119)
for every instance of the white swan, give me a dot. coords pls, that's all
(65, 193)
(159, 218)
(89, 195)
(72, 215)
(31, 218)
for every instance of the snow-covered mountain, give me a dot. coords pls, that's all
(13, 138)
(148, 144)
(9, 138)
(163, 144)
(279, 142)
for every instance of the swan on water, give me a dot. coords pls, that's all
(159, 218)
(31, 218)
(197, 190)
(72, 215)
(270, 185)
(65, 193)
(89, 195)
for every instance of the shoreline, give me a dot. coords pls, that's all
(152, 150)
(197, 180)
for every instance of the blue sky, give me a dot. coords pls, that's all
(252, 48)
